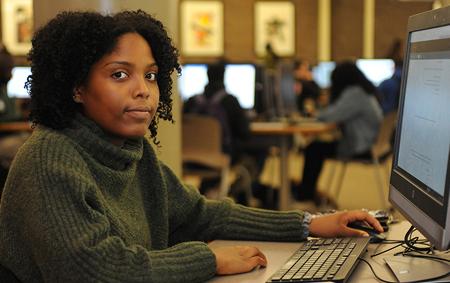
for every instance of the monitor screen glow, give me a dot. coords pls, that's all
(16, 86)
(376, 70)
(239, 81)
(322, 73)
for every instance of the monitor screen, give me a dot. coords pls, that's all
(376, 70)
(239, 81)
(322, 73)
(16, 86)
(419, 185)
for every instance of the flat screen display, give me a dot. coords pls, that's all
(16, 86)
(239, 81)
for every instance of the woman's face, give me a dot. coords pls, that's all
(121, 94)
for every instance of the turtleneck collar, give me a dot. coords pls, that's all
(88, 135)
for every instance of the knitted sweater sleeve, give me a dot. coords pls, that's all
(70, 239)
(193, 217)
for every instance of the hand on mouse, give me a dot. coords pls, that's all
(335, 225)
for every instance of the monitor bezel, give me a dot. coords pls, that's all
(406, 193)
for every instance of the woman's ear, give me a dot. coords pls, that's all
(77, 95)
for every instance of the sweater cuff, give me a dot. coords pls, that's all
(305, 223)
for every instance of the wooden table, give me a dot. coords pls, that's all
(284, 131)
(15, 127)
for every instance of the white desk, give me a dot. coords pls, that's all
(284, 131)
(278, 253)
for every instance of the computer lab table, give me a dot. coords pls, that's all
(277, 254)
(283, 131)
(15, 127)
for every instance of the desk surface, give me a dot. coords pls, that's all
(278, 253)
(285, 128)
(15, 126)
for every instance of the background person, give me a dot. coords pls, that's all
(87, 200)
(306, 90)
(9, 112)
(355, 110)
(389, 89)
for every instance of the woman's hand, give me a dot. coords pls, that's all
(335, 225)
(237, 259)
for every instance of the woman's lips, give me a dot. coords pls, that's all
(140, 113)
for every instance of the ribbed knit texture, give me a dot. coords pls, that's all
(76, 208)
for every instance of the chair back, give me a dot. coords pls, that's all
(382, 145)
(202, 141)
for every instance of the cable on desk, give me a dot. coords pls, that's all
(411, 242)
(399, 243)
(387, 281)
(375, 274)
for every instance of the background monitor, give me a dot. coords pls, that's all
(16, 86)
(322, 73)
(376, 70)
(420, 176)
(239, 81)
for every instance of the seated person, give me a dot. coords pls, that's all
(9, 112)
(356, 111)
(87, 200)
(306, 89)
(216, 102)
(389, 89)
(225, 107)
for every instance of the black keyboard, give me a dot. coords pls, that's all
(322, 260)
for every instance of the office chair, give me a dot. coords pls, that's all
(380, 151)
(202, 147)
(7, 276)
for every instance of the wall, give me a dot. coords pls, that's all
(391, 17)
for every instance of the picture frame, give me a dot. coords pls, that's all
(201, 28)
(274, 25)
(17, 25)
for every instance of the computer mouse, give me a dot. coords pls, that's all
(375, 236)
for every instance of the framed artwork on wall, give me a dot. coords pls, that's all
(17, 25)
(275, 27)
(201, 28)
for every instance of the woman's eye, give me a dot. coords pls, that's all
(151, 76)
(119, 75)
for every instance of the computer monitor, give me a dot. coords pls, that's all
(376, 70)
(322, 73)
(239, 81)
(420, 176)
(16, 86)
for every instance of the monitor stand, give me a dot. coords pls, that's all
(408, 269)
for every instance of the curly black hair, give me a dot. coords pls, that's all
(65, 49)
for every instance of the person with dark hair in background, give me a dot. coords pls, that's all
(215, 101)
(87, 199)
(306, 89)
(355, 110)
(389, 90)
(9, 112)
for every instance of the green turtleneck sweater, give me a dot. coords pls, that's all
(77, 208)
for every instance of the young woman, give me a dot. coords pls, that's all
(87, 200)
